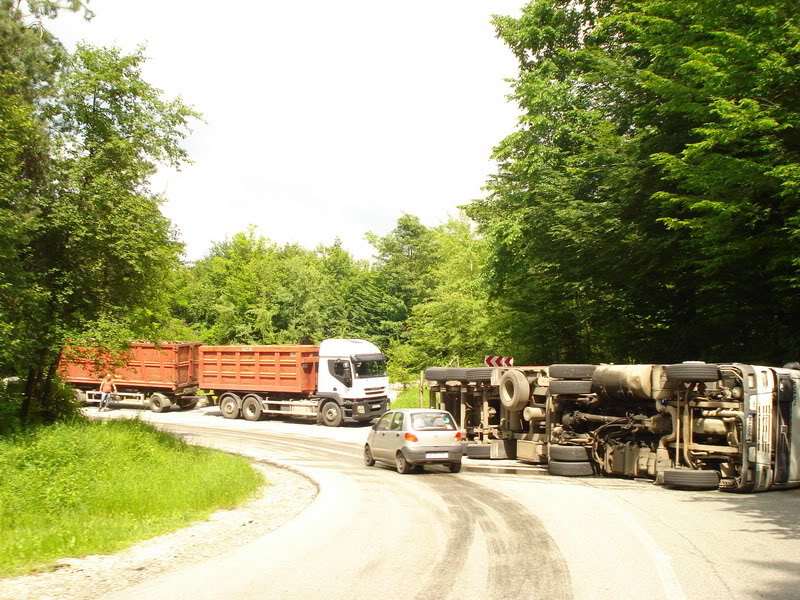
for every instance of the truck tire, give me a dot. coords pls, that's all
(571, 387)
(80, 397)
(229, 405)
(565, 453)
(159, 403)
(478, 451)
(693, 372)
(188, 406)
(251, 408)
(570, 469)
(447, 374)
(331, 414)
(515, 391)
(690, 479)
(479, 374)
(571, 371)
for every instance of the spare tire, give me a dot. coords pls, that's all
(562, 452)
(571, 387)
(570, 469)
(571, 371)
(515, 391)
(690, 479)
(693, 372)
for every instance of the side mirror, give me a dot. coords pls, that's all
(347, 375)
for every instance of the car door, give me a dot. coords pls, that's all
(379, 440)
(395, 436)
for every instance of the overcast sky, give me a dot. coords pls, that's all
(322, 118)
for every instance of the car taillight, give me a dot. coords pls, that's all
(459, 436)
(411, 437)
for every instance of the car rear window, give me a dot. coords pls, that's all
(432, 421)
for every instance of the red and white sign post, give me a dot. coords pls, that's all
(499, 361)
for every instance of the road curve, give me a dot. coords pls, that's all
(372, 533)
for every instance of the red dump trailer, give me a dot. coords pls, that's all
(161, 375)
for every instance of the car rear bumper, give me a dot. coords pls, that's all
(422, 454)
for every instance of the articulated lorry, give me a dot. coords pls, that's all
(694, 425)
(336, 380)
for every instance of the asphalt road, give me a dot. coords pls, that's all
(494, 531)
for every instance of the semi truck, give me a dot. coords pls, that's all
(692, 425)
(336, 380)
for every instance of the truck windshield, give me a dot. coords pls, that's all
(371, 368)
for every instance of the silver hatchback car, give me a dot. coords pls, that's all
(411, 437)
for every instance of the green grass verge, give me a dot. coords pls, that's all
(81, 488)
(409, 398)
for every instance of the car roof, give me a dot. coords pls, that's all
(411, 411)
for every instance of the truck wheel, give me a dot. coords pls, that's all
(570, 469)
(191, 405)
(690, 479)
(478, 451)
(403, 466)
(562, 452)
(571, 387)
(159, 403)
(251, 408)
(693, 372)
(368, 459)
(229, 406)
(331, 414)
(571, 371)
(455, 467)
(515, 391)
(479, 374)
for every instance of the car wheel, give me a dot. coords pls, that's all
(403, 466)
(368, 459)
(570, 469)
(690, 479)
(455, 467)
(566, 453)
(331, 414)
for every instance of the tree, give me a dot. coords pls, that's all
(656, 159)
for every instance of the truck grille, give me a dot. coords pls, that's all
(378, 391)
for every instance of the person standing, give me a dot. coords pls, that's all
(107, 387)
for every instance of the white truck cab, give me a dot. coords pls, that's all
(352, 381)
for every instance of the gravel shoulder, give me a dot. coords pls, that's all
(93, 576)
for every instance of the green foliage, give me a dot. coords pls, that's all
(646, 207)
(95, 487)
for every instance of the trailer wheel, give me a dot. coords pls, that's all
(191, 405)
(80, 397)
(563, 452)
(693, 372)
(229, 405)
(515, 391)
(570, 469)
(331, 414)
(571, 371)
(690, 479)
(251, 408)
(159, 403)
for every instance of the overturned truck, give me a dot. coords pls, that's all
(695, 425)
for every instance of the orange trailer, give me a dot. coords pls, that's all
(162, 375)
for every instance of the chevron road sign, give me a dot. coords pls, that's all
(499, 361)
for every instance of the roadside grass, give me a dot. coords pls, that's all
(409, 398)
(95, 487)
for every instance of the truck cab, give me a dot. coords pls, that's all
(352, 381)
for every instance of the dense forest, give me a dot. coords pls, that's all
(645, 208)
